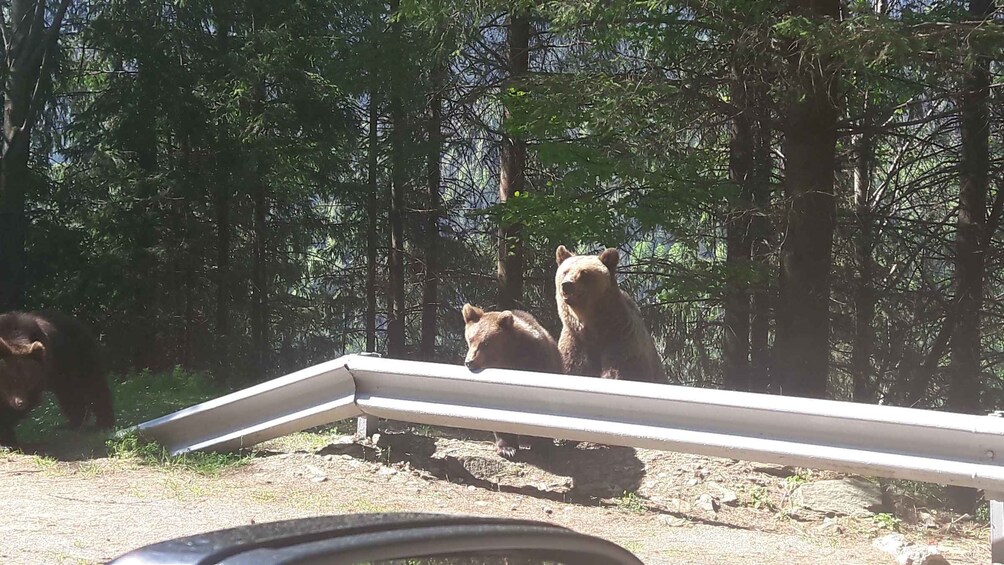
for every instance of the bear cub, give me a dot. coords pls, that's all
(510, 339)
(42, 351)
(602, 331)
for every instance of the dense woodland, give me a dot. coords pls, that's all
(807, 195)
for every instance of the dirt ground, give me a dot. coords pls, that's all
(61, 506)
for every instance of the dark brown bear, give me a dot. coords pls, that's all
(602, 331)
(42, 351)
(510, 339)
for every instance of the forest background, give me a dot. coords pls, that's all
(807, 195)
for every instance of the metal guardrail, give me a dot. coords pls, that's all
(886, 441)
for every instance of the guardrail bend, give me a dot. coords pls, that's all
(885, 441)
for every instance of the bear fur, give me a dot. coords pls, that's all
(42, 351)
(510, 339)
(602, 331)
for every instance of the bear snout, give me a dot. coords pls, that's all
(567, 287)
(473, 365)
(16, 402)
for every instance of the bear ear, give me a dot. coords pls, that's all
(561, 254)
(610, 257)
(35, 351)
(472, 314)
(505, 320)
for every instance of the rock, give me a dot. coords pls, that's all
(329, 457)
(318, 479)
(921, 555)
(692, 482)
(472, 487)
(725, 495)
(775, 470)
(708, 503)
(891, 544)
(847, 497)
(905, 554)
(480, 503)
(672, 521)
(386, 471)
(830, 524)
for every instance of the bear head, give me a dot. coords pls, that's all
(582, 280)
(22, 374)
(490, 337)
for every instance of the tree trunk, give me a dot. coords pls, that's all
(221, 214)
(864, 289)
(28, 55)
(512, 174)
(372, 180)
(259, 267)
(371, 224)
(399, 177)
(222, 195)
(810, 135)
(430, 291)
(760, 238)
(736, 333)
(970, 260)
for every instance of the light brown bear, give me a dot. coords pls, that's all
(602, 331)
(510, 339)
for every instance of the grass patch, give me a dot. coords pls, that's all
(631, 502)
(131, 446)
(137, 398)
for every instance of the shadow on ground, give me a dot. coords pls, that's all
(586, 474)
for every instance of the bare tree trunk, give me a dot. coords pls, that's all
(512, 175)
(971, 234)
(222, 195)
(736, 334)
(430, 291)
(372, 181)
(761, 239)
(399, 177)
(259, 267)
(221, 213)
(28, 53)
(864, 287)
(810, 137)
(371, 224)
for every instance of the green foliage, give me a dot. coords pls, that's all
(631, 502)
(131, 446)
(887, 521)
(136, 398)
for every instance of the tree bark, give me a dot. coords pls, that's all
(399, 178)
(28, 56)
(970, 260)
(810, 134)
(221, 213)
(371, 224)
(222, 195)
(761, 239)
(512, 174)
(430, 290)
(259, 267)
(864, 287)
(736, 334)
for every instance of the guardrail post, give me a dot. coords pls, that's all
(996, 502)
(366, 426)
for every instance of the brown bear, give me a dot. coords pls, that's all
(510, 339)
(602, 331)
(42, 351)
